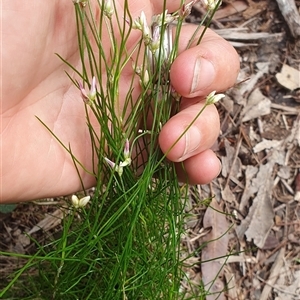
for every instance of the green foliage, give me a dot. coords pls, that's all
(7, 208)
(125, 244)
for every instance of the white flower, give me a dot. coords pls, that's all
(119, 168)
(211, 4)
(143, 74)
(107, 7)
(213, 98)
(186, 9)
(115, 167)
(78, 203)
(141, 24)
(155, 40)
(145, 79)
(82, 2)
(163, 19)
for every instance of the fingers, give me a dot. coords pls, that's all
(171, 5)
(212, 65)
(179, 145)
(199, 169)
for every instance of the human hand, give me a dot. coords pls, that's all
(33, 164)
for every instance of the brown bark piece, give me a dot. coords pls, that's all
(290, 13)
(254, 9)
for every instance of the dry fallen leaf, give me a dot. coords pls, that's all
(262, 216)
(289, 77)
(259, 221)
(227, 194)
(231, 9)
(257, 105)
(254, 9)
(288, 290)
(231, 163)
(217, 243)
(266, 144)
(297, 188)
(249, 189)
(249, 85)
(50, 221)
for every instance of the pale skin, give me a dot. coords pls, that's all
(33, 164)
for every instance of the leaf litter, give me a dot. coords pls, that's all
(259, 186)
(216, 245)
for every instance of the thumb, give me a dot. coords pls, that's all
(211, 65)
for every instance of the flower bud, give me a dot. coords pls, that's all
(141, 24)
(93, 92)
(107, 7)
(155, 41)
(126, 149)
(89, 97)
(145, 79)
(78, 203)
(110, 163)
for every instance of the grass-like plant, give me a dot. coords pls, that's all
(124, 240)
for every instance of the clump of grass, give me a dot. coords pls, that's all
(124, 241)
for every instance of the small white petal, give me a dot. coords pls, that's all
(125, 163)
(93, 92)
(127, 149)
(75, 201)
(84, 201)
(119, 170)
(211, 4)
(109, 162)
(213, 98)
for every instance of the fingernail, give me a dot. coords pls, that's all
(192, 141)
(204, 75)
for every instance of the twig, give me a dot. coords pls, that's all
(275, 271)
(289, 109)
(290, 13)
(238, 146)
(244, 35)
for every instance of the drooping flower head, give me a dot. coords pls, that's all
(213, 98)
(211, 4)
(186, 9)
